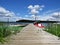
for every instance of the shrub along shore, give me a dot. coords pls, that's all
(53, 29)
(6, 30)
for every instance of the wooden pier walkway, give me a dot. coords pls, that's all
(32, 35)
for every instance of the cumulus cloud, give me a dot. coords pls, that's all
(40, 17)
(15, 18)
(4, 12)
(52, 15)
(51, 11)
(30, 7)
(11, 19)
(52, 19)
(56, 14)
(35, 9)
(32, 16)
(44, 17)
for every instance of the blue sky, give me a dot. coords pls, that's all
(20, 7)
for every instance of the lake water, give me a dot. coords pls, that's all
(22, 23)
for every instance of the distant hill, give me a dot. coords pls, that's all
(38, 21)
(25, 20)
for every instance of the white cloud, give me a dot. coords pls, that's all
(56, 14)
(43, 17)
(11, 19)
(52, 19)
(4, 12)
(30, 7)
(51, 11)
(32, 16)
(40, 17)
(15, 18)
(10, 14)
(35, 9)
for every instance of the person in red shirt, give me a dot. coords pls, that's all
(38, 25)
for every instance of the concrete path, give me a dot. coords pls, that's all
(32, 35)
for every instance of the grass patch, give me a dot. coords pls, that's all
(53, 29)
(6, 30)
(15, 29)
